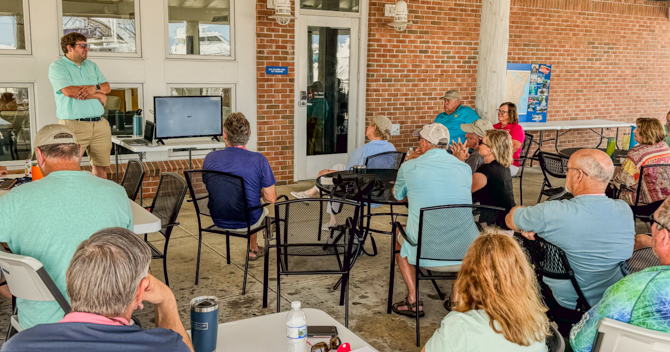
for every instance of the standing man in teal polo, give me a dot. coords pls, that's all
(455, 114)
(80, 90)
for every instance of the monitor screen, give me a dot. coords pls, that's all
(177, 117)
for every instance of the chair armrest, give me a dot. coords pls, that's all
(259, 206)
(285, 197)
(170, 225)
(404, 234)
(191, 200)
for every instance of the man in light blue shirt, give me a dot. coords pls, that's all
(455, 114)
(434, 178)
(79, 89)
(595, 232)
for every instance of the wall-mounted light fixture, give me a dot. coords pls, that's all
(399, 13)
(282, 11)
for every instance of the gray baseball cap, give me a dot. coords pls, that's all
(49, 135)
(479, 127)
(451, 94)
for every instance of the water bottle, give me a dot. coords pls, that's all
(137, 123)
(633, 142)
(409, 152)
(204, 323)
(296, 329)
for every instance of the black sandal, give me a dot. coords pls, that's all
(411, 308)
(447, 304)
(259, 253)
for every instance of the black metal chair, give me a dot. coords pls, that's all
(313, 250)
(445, 234)
(554, 165)
(550, 261)
(390, 161)
(132, 178)
(643, 209)
(220, 195)
(166, 205)
(525, 150)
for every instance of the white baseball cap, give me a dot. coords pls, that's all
(435, 133)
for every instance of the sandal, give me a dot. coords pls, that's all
(258, 253)
(447, 304)
(411, 308)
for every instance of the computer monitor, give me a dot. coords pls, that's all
(182, 117)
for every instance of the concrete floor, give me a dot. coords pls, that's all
(368, 290)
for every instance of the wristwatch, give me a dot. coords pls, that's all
(97, 87)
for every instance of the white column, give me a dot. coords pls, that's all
(492, 64)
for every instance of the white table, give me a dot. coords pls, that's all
(143, 220)
(268, 333)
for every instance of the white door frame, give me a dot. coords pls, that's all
(308, 167)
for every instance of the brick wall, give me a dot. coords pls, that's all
(408, 71)
(275, 46)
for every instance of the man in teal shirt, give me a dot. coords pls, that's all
(49, 218)
(80, 90)
(455, 115)
(434, 178)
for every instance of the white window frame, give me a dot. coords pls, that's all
(138, 35)
(26, 30)
(233, 40)
(140, 105)
(18, 164)
(233, 104)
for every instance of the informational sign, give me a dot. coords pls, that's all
(528, 87)
(276, 70)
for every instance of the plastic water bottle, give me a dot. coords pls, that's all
(137, 123)
(409, 152)
(296, 329)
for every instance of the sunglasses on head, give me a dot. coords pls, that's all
(327, 347)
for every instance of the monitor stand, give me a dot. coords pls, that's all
(216, 138)
(159, 141)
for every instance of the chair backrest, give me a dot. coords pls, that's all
(218, 194)
(555, 342)
(447, 231)
(525, 149)
(654, 182)
(550, 261)
(27, 279)
(132, 178)
(616, 336)
(386, 160)
(168, 199)
(302, 227)
(553, 164)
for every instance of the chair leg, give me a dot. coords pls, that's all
(266, 273)
(197, 264)
(437, 288)
(418, 325)
(228, 249)
(278, 277)
(346, 301)
(167, 282)
(540, 197)
(246, 267)
(391, 275)
(521, 189)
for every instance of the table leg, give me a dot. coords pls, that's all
(190, 165)
(616, 139)
(602, 135)
(141, 154)
(116, 156)
(558, 134)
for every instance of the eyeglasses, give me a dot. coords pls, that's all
(502, 111)
(83, 46)
(482, 143)
(654, 221)
(580, 170)
(324, 347)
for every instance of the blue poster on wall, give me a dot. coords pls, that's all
(528, 87)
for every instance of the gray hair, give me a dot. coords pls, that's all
(443, 144)
(106, 270)
(237, 129)
(595, 169)
(664, 214)
(68, 151)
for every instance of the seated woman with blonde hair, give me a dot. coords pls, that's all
(496, 302)
(651, 150)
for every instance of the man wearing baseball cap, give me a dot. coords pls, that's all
(455, 114)
(49, 218)
(434, 178)
(469, 151)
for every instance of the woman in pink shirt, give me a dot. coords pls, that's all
(509, 121)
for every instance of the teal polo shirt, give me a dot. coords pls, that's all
(435, 178)
(64, 73)
(453, 121)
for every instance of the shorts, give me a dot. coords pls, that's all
(94, 137)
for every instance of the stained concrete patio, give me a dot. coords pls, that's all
(368, 290)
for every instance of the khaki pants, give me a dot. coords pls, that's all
(94, 137)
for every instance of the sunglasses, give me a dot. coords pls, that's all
(326, 347)
(659, 225)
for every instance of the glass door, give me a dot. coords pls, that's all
(326, 92)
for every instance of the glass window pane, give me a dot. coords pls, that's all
(120, 109)
(209, 19)
(12, 35)
(108, 25)
(330, 5)
(14, 124)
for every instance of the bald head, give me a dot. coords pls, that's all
(595, 163)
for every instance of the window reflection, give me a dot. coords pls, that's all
(109, 26)
(14, 124)
(330, 5)
(12, 35)
(198, 27)
(120, 109)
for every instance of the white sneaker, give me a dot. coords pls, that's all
(300, 195)
(328, 226)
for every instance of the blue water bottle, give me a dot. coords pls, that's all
(632, 138)
(137, 123)
(204, 323)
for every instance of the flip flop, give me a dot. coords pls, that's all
(410, 311)
(259, 253)
(447, 304)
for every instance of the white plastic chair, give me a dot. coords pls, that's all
(27, 279)
(616, 336)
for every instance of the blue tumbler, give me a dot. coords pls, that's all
(137, 123)
(632, 138)
(204, 323)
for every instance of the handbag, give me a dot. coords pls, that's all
(355, 187)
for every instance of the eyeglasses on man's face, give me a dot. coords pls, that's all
(653, 220)
(83, 46)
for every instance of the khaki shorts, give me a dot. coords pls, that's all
(94, 137)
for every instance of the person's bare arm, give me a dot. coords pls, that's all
(167, 314)
(269, 194)
(515, 145)
(642, 241)
(101, 97)
(86, 92)
(3, 170)
(479, 180)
